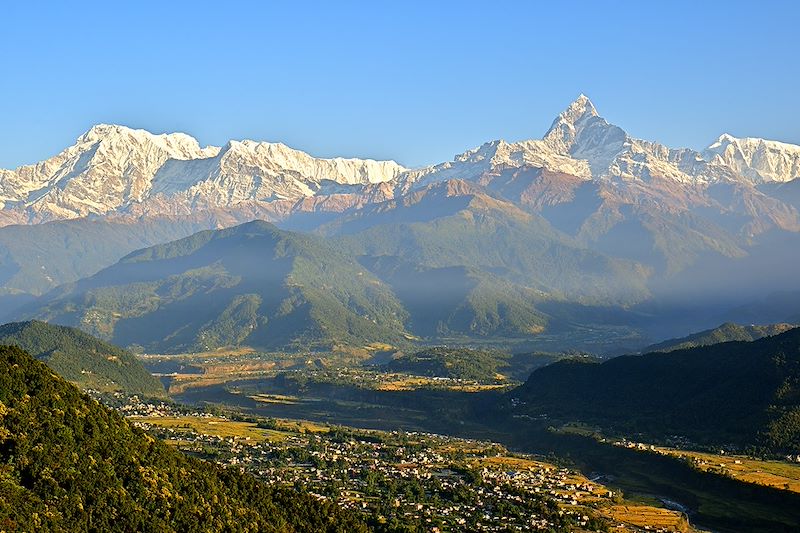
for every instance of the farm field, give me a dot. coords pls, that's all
(777, 474)
(360, 468)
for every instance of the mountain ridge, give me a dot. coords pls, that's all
(251, 284)
(112, 169)
(589, 198)
(737, 392)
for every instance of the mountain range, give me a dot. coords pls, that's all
(252, 284)
(727, 332)
(587, 227)
(113, 169)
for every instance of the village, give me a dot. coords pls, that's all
(431, 482)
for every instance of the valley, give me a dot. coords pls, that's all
(421, 480)
(360, 398)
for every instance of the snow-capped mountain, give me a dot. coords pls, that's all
(583, 144)
(759, 160)
(587, 214)
(112, 168)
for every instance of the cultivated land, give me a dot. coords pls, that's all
(778, 474)
(218, 367)
(358, 396)
(421, 479)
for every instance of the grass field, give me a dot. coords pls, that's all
(218, 427)
(647, 517)
(778, 474)
(300, 426)
(220, 352)
(275, 398)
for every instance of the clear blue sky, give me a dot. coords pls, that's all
(413, 81)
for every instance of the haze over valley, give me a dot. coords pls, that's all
(246, 286)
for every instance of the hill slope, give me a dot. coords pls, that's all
(725, 333)
(466, 263)
(454, 363)
(747, 393)
(69, 464)
(252, 284)
(80, 358)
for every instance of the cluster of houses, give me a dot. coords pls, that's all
(440, 483)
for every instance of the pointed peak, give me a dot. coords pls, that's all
(569, 123)
(579, 108)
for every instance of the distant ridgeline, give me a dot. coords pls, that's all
(82, 359)
(69, 464)
(742, 393)
(725, 333)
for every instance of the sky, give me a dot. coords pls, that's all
(416, 82)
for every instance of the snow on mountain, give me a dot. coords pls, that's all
(495, 155)
(111, 168)
(583, 144)
(756, 159)
(261, 171)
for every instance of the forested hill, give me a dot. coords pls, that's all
(82, 359)
(454, 363)
(725, 333)
(747, 393)
(252, 285)
(69, 464)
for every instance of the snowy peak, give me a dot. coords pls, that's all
(757, 160)
(580, 108)
(579, 131)
(177, 145)
(583, 144)
(111, 168)
(117, 169)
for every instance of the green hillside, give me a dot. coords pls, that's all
(745, 393)
(463, 262)
(455, 363)
(252, 284)
(80, 358)
(68, 464)
(725, 333)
